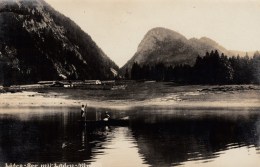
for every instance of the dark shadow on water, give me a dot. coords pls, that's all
(165, 141)
(56, 138)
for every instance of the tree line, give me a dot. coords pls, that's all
(212, 68)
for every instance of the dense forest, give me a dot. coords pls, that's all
(213, 68)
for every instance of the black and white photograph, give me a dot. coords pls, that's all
(129, 83)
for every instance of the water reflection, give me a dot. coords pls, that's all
(176, 139)
(155, 137)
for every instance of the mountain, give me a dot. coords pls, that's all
(39, 43)
(161, 45)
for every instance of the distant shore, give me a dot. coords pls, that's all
(139, 95)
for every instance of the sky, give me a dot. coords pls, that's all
(118, 26)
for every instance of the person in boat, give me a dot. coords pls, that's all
(106, 116)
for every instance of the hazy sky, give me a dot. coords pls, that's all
(118, 26)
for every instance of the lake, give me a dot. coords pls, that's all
(155, 136)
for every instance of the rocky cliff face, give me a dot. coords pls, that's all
(38, 43)
(161, 45)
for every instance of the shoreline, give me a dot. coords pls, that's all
(187, 100)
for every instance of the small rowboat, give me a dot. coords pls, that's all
(109, 122)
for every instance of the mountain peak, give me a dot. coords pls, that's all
(158, 34)
(42, 44)
(162, 45)
(162, 33)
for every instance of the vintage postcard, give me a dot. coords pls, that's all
(129, 83)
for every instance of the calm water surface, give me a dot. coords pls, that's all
(154, 137)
